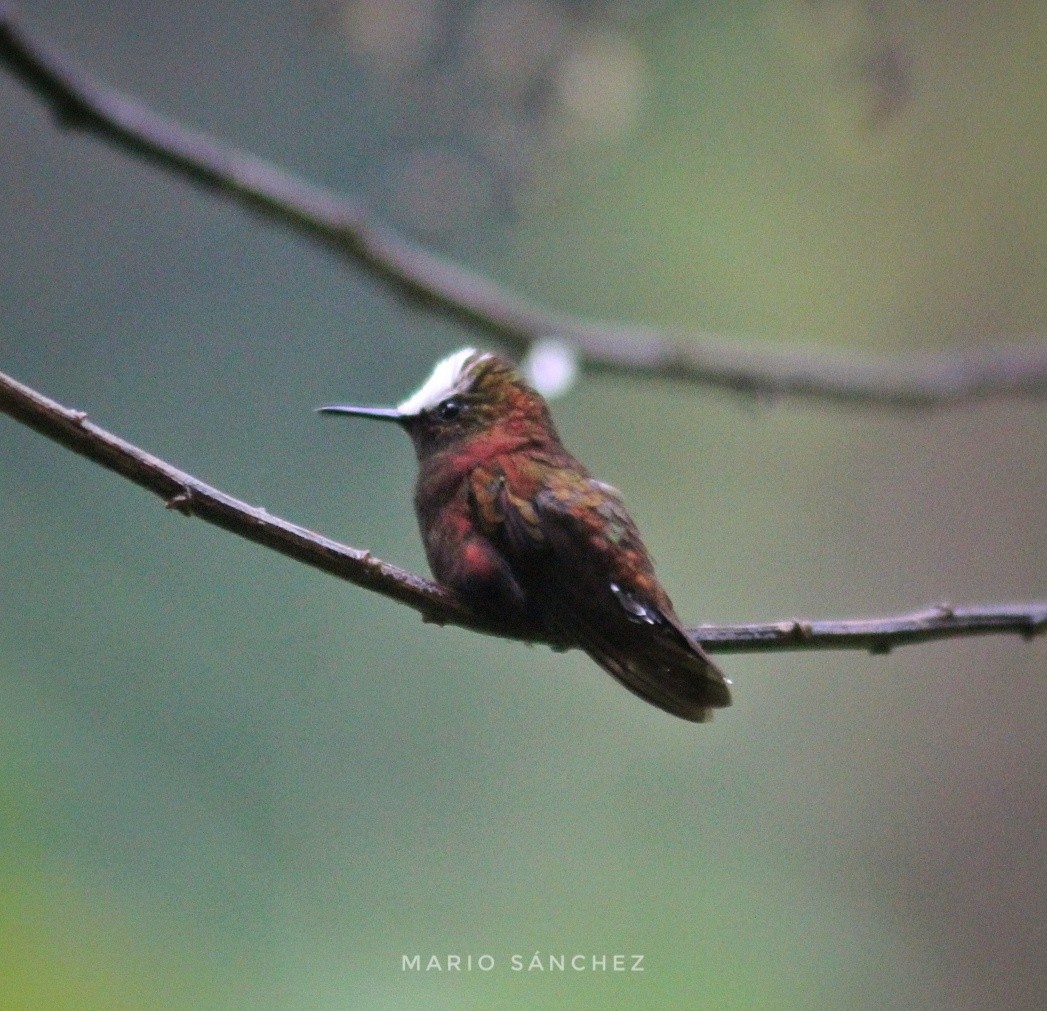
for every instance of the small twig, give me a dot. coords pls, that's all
(879, 635)
(190, 496)
(345, 225)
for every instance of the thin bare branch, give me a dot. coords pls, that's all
(192, 497)
(346, 226)
(189, 495)
(878, 635)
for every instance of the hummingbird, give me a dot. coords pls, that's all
(519, 529)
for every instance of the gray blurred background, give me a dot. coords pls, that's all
(229, 781)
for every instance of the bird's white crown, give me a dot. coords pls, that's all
(445, 380)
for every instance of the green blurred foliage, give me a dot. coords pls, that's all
(228, 781)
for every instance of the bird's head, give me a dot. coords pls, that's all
(470, 395)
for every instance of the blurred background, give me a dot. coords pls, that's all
(230, 781)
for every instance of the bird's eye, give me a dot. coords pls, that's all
(449, 409)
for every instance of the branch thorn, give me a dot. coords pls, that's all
(181, 502)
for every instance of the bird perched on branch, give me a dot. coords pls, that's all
(522, 532)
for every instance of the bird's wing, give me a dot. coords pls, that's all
(578, 554)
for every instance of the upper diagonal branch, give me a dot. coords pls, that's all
(346, 226)
(191, 496)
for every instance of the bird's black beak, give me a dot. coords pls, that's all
(382, 413)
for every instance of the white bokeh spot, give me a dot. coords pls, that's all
(551, 367)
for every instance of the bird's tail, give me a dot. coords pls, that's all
(680, 679)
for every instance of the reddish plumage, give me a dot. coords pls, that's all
(517, 526)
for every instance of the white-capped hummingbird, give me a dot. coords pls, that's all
(519, 529)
